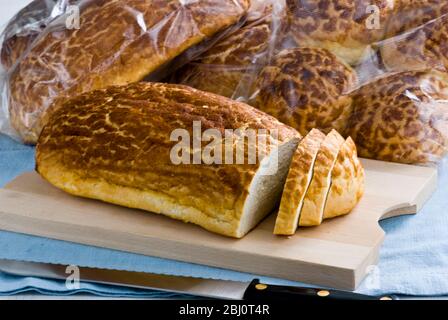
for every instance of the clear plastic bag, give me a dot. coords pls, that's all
(233, 61)
(373, 70)
(26, 26)
(16, 39)
(101, 43)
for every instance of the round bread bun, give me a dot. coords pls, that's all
(402, 118)
(306, 89)
(345, 27)
(421, 48)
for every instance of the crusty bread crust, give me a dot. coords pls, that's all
(347, 182)
(411, 14)
(229, 65)
(317, 194)
(306, 88)
(111, 48)
(75, 183)
(402, 118)
(422, 48)
(23, 29)
(340, 26)
(114, 145)
(297, 183)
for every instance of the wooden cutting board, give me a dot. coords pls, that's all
(337, 254)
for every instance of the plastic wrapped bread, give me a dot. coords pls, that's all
(307, 88)
(316, 70)
(420, 48)
(118, 42)
(402, 118)
(231, 63)
(345, 27)
(26, 26)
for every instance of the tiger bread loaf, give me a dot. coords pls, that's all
(118, 42)
(402, 117)
(307, 88)
(228, 67)
(325, 180)
(121, 145)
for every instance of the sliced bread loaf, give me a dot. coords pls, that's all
(297, 183)
(317, 194)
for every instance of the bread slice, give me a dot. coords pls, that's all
(347, 182)
(115, 145)
(297, 183)
(316, 196)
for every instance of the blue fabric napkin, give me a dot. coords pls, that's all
(14, 285)
(414, 257)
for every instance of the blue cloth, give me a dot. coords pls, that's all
(13, 285)
(414, 257)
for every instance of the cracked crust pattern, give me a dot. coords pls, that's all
(23, 29)
(411, 14)
(340, 26)
(306, 88)
(402, 118)
(316, 197)
(114, 142)
(229, 64)
(424, 47)
(119, 42)
(347, 182)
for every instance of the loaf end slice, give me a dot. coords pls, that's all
(348, 182)
(297, 183)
